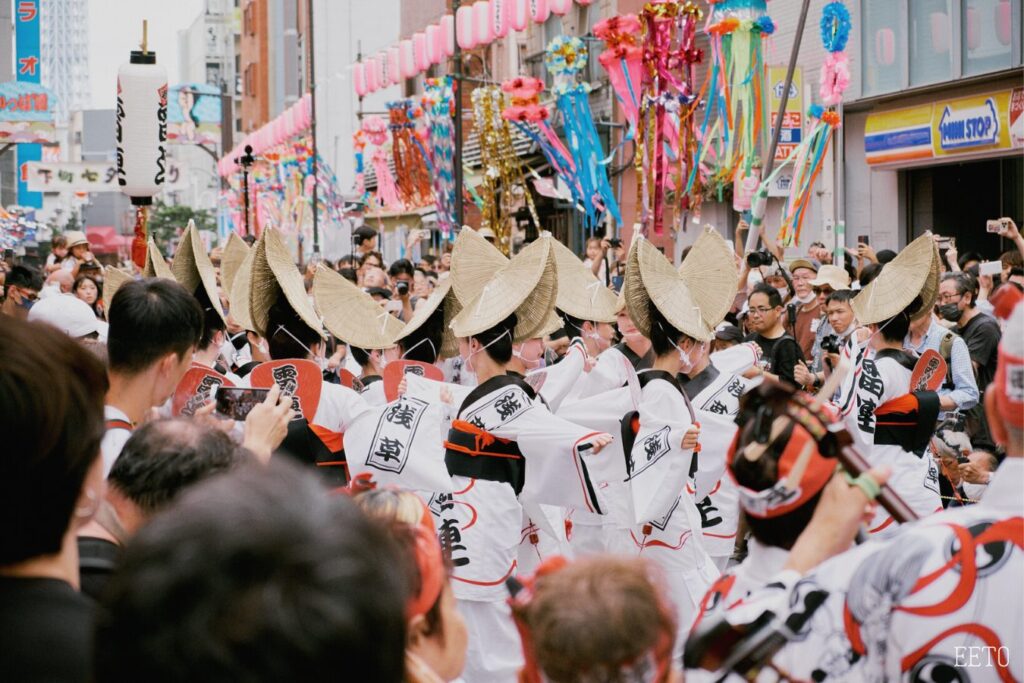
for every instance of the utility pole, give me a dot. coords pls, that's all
(312, 128)
(457, 96)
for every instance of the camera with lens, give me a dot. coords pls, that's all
(402, 287)
(761, 257)
(830, 343)
(614, 242)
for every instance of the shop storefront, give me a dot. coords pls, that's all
(945, 163)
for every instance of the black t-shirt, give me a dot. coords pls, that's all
(982, 335)
(97, 558)
(45, 631)
(779, 356)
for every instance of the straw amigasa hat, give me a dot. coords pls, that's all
(709, 270)
(908, 275)
(351, 314)
(442, 296)
(580, 294)
(474, 262)
(527, 285)
(231, 258)
(193, 269)
(274, 274)
(156, 266)
(650, 278)
(930, 290)
(113, 278)
(238, 296)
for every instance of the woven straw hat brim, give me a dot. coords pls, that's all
(192, 267)
(351, 314)
(551, 324)
(580, 293)
(273, 274)
(441, 296)
(113, 278)
(527, 286)
(474, 263)
(832, 276)
(234, 253)
(900, 281)
(156, 265)
(238, 297)
(650, 278)
(930, 290)
(710, 273)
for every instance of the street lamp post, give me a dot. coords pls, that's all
(245, 161)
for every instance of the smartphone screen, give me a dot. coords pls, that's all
(237, 402)
(863, 239)
(994, 226)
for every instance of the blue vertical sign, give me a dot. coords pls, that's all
(28, 65)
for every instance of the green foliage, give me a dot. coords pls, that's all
(167, 221)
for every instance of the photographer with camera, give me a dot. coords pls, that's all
(839, 323)
(401, 273)
(780, 352)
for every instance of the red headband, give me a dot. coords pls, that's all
(430, 565)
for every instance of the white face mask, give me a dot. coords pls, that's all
(531, 364)
(469, 359)
(686, 363)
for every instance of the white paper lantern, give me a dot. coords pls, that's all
(435, 48)
(359, 79)
(141, 127)
(419, 47)
(520, 14)
(539, 11)
(464, 33)
(448, 35)
(406, 59)
(394, 66)
(501, 15)
(560, 7)
(482, 30)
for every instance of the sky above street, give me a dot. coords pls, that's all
(115, 29)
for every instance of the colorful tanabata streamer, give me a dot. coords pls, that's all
(437, 106)
(376, 130)
(411, 172)
(532, 119)
(623, 59)
(501, 165)
(665, 135)
(566, 57)
(835, 71)
(736, 117)
(358, 147)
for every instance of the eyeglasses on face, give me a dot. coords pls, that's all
(822, 290)
(761, 310)
(949, 298)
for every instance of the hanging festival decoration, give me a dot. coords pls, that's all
(665, 136)
(736, 116)
(411, 172)
(565, 58)
(358, 147)
(622, 59)
(437, 105)
(376, 130)
(835, 70)
(532, 119)
(141, 135)
(502, 169)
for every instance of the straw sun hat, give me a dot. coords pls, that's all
(441, 296)
(580, 294)
(490, 291)
(273, 274)
(156, 266)
(694, 299)
(75, 237)
(113, 278)
(238, 295)
(231, 259)
(192, 267)
(913, 272)
(351, 314)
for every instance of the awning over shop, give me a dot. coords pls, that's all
(977, 127)
(104, 239)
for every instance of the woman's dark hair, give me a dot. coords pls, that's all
(282, 344)
(51, 415)
(500, 339)
(895, 329)
(762, 474)
(665, 337)
(212, 322)
(361, 356)
(573, 326)
(869, 273)
(416, 348)
(95, 305)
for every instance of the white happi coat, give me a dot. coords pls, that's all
(874, 381)
(930, 604)
(715, 492)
